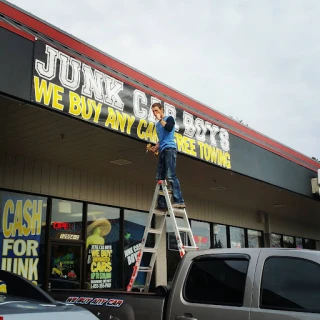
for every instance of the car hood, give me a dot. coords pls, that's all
(13, 307)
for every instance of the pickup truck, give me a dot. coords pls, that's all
(220, 284)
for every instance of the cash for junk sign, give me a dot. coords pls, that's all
(67, 85)
(20, 234)
(100, 266)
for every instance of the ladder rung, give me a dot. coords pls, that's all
(157, 231)
(161, 193)
(184, 229)
(161, 214)
(190, 248)
(152, 250)
(145, 269)
(178, 210)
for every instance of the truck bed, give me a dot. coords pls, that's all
(116, 305)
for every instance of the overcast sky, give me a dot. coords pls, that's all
(255, 60)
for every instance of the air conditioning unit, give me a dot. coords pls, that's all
(315, 185)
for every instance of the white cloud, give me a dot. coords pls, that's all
(254, 60)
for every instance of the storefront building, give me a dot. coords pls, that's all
(76, 183)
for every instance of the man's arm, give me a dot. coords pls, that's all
(169, 124)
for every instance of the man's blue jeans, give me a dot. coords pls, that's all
(167, 168)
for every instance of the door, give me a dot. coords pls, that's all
(214, 288)
(287, 286)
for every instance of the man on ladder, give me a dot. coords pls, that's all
(166, 168)
(167, 157)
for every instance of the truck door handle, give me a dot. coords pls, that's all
(187, 316)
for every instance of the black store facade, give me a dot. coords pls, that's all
(76, 183)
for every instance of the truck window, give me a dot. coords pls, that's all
(290, 284)
(219, 281)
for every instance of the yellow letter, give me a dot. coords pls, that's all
(193, 147)
(32, 246)
(214, 155)
(57, 97)
(23, 267)
(7, 227)
(228, 161)
(149, 131)
(121, 120)
(131, 120)
(179, 140)
(27, 217)
(42, 90)
(140, 134)
(93, 267)
(75, 103)
(201, 144)
(33, 270)
(97, 109)
(36, 217)
(112, 117)
(86, 111)
(17, 221)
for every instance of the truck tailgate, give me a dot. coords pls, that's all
(118, 305)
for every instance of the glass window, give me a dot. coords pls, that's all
(66, 220)
(288, 242)
(22, 235)
(290, 284)
(299, 243)
(237, 237)
(309, 244)
(275, 240)
(173, 256)
(134, 226)
(201, 234)
(220, 236)
(255, 239)
(103, 254)
(65, 266)
(217, 281)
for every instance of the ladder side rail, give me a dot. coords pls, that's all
(144, 240)
(174, 222)
(190, 234)
(154, 256)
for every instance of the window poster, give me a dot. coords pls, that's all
(22, 218)
(99, 254)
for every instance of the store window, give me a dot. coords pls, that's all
(173, 256)
(103, 256)
(309, 244)
(237, 239)
(275, 240)
(65, 266)
(299, 243)
(22, 235)
(288, 242)
(290, 284)
(220, 236)
(255, 239)
(201, 234)
(219, 281)
(134, 226)
(66, 220)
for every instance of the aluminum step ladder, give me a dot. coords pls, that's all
(161, 189)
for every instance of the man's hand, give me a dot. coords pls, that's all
(155, 148)
(158, 116)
